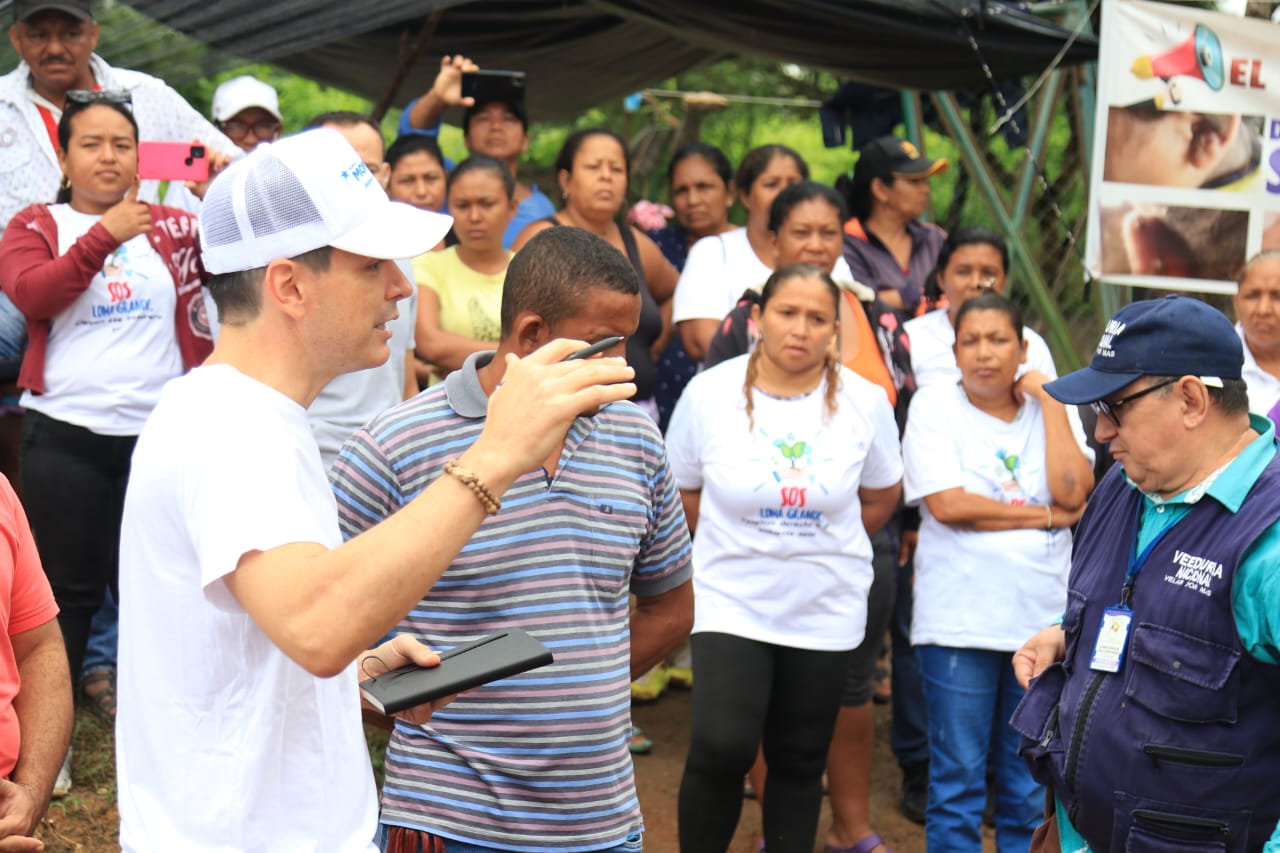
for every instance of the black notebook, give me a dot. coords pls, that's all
(490, 658)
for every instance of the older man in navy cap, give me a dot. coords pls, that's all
(1153, 713)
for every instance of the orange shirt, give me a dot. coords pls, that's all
(867, 362)
(26, 602)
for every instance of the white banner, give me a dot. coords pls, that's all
(1186, 178)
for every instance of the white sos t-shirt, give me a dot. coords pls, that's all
(982, 590)
(113, 349)
(780, 554)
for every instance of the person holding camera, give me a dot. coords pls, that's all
(494, 124)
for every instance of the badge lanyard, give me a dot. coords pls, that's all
(1113, 634)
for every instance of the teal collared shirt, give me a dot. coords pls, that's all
(1255, 597)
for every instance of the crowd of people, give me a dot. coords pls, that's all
(316, 417)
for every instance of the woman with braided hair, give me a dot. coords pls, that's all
(785, 461)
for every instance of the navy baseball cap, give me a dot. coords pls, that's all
(890, 156)
(1173, 336)
(78, 9)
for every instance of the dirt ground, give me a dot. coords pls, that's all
(86, 821)
(658, 780)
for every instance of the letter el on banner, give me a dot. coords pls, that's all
(1186, 167)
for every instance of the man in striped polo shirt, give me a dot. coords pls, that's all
(539, 761)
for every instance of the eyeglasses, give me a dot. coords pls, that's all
(100, 96)
(1112, 409)
(265, 129)
(40, 38)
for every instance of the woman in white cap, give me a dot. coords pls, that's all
(247, 111)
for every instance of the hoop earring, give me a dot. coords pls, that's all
(66, 183)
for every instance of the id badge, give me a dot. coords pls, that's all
(1108, 651)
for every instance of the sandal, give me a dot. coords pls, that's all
(102, 702)
(639, 744)
(866, 845)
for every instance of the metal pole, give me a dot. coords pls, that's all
(1029, 275)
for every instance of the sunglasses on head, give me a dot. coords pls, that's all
(100, 96)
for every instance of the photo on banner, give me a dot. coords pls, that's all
(1186, 169)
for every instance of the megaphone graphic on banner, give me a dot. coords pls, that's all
(1199, 56)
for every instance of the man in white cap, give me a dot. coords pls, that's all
(245, 623)
(248, 111)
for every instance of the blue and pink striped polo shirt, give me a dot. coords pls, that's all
(538, 761)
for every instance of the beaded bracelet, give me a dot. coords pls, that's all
(471, 481)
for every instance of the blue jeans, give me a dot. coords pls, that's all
(104, 634)
(633, 844)
(966, 690)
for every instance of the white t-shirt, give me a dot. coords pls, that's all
(1264, 389)
(222, 741)
(113, 348)
(780, 554)
(719, 268)
(982, 590)
(933, 357)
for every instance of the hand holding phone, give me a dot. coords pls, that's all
(485, 85)
(489, 658)
(173, 161)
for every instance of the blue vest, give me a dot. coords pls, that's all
(1179, 750)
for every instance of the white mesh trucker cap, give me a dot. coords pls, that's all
(304, 192)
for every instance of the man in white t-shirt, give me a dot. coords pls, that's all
(245, 624)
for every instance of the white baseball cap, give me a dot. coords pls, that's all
(240, 93)
(302, 193)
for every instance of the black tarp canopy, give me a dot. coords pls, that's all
(581, 53)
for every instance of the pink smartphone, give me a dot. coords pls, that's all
(173, 161)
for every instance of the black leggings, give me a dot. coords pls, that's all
(73, 483)
(747, 692)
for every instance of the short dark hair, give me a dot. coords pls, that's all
(713, 155)
(557, 269)
(238, 295)
(414, 143)
(798, 194)
(568, 151)
(342, 118)
(516, 108)
(968, 235)
(753, 165)
(75, 108)
(1231, 399)
(481, 163)
(992, 301)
